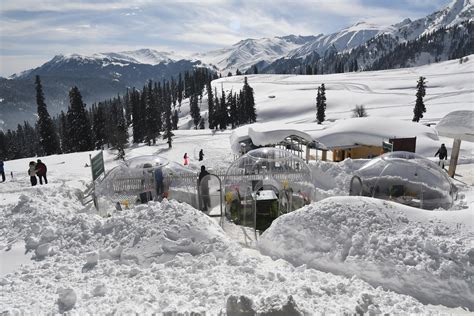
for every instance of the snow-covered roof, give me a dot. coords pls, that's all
(371, 131)
(263, 134)
(457, 124)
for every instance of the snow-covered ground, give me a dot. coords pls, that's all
(340, 255)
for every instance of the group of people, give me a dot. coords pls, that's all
(37, 169)
(186, 157)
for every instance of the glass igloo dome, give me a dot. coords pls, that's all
(406, 178)
(145, 178)
(265, 183)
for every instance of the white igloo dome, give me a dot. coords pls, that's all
(406, 178)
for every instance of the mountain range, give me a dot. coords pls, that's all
(361, 46)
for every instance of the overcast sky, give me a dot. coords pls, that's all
(33, 31)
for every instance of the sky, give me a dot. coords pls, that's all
(34, 31)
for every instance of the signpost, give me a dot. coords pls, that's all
(97, 168)
(387, 147)
(97, 165)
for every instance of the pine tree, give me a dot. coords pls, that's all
(48, 137)
(223, 113)
(175, 119)
(98, 126)
(217, 111)
(194, 109)
(248, 102)
(210, 105)
(419, 105)
(233, 111)
(64, 133)
(168, 134)
(80, 136)
(137, 126)
(152, 116)
(121, 131)
(321, 104)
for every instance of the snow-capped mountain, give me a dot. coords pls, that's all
(103, 60)
(248, 52)
(362, 45)
(453, 14)
(347, 38)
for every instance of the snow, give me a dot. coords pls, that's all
(169, 257)
(424, 254)
(457, 124)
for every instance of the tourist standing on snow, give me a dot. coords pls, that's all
(186, 159)
(204, 189)
(443, 155)
(32, 173)
(159, 183)
(201, 155)
(41, 172)
(2, 171)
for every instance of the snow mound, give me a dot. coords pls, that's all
(427, 255)
(161, 258)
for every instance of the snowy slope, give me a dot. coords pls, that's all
(290, 99)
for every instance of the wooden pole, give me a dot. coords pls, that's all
(454, 157)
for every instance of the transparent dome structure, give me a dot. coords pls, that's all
(264, 184)
(144, 178)
(406, 178)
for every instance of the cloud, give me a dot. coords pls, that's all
(50, 27)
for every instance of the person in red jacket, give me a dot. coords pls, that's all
(41, 171)
(186, 159)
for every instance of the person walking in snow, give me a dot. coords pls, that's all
(443, 155)
(2, 171)
(32, 173)
(201, 155)
(203, 183)
(186, 159)
(41, 172)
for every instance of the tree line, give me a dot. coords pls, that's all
(149, 114)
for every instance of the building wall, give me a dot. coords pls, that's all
(357, 152)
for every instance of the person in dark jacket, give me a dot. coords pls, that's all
(443, 155)
(41, 171)
(201, 155)
(2, 171)
(32, 173)
(159, 183)
(203, 183)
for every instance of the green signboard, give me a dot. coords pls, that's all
(97, 165)
(387, 147)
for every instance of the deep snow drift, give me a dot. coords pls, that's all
(161, 257)
(426, 254)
